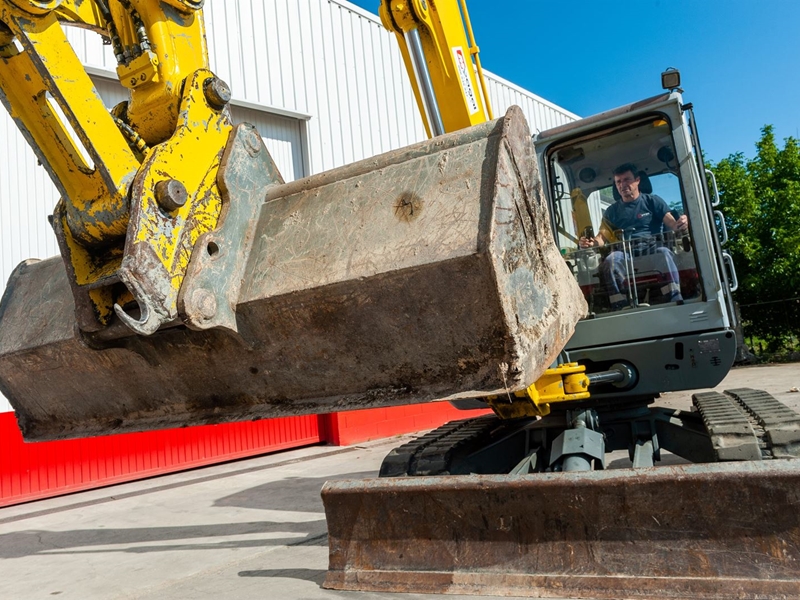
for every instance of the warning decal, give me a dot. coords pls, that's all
(463, 65)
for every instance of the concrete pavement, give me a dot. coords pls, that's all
(253, 528)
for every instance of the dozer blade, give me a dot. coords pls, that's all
(718, 531)
(425, 273)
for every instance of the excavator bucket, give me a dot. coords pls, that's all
(719, 530)
(423, 274)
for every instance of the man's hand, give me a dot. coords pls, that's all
(585, 242)
(679, 224)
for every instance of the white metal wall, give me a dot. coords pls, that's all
(324, 58)
(540, 113)
(324, 72)
(334, 61)
(283, 136)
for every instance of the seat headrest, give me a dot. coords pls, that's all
(645, 186)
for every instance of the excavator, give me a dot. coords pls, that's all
(195, 286)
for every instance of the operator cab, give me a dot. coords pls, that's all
(659, 300)
(582, 180)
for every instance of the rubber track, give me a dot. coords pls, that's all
(431, 453)
(781, 425)
(744, 424)
(747, 424)
(732, 434)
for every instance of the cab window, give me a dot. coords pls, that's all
(622, 233)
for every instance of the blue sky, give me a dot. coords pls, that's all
(739, 59)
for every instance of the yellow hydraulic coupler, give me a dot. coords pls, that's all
(564, 383)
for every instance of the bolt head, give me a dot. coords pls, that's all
(252, 141)
(171, 194)
(203, 304)
(217, 92)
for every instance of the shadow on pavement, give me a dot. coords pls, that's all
(300, 494)
(296, 494)
(315, 575)
(79, 541)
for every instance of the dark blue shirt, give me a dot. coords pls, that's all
(641, 218)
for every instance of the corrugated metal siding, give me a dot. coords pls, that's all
(283, 137)
(325, 58)
(355, 426)
(540, 113)
(27, 197)
(34, 471)
(300, 57)
(336, 62)
(110, 91)
(328, 59)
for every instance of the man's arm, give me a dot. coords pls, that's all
(661, 207)
(680, 224)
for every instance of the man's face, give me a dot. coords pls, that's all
(627, 186)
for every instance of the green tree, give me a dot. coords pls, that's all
(761, 202)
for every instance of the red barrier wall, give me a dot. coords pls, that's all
(45, 469)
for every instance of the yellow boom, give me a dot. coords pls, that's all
(441, 57)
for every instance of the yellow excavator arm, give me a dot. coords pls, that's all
(442, 60)
(138, 184)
